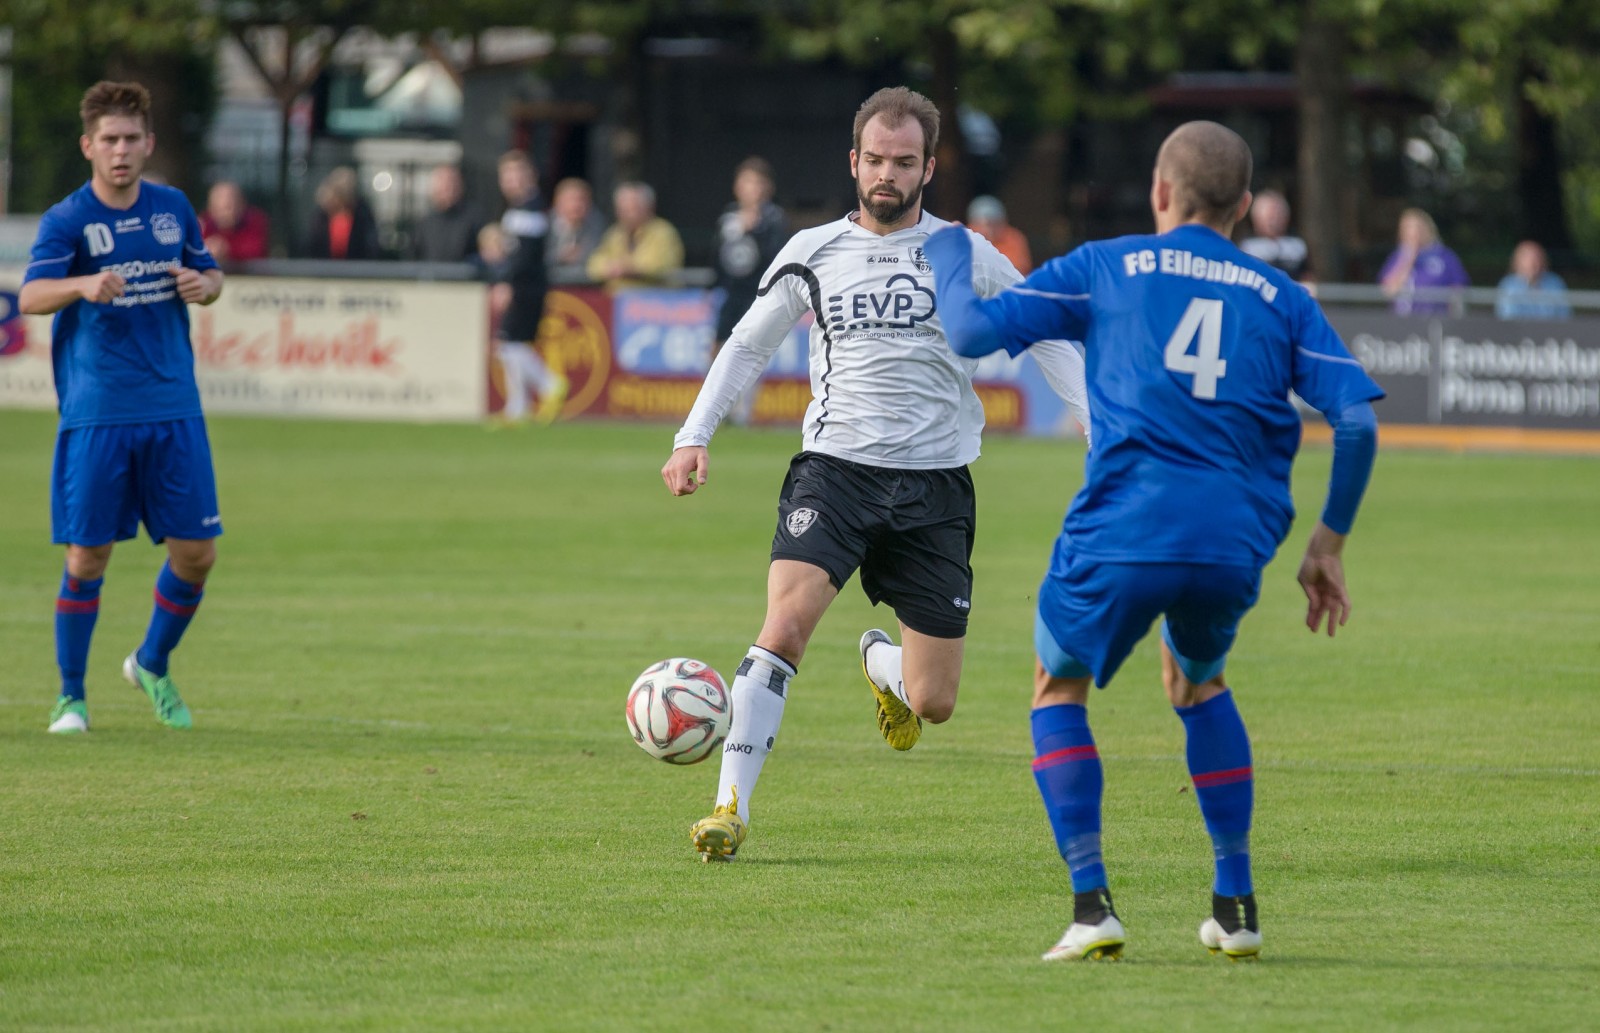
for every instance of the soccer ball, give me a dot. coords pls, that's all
(678, 711)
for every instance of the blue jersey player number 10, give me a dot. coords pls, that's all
(1191, 352)
(118, 262)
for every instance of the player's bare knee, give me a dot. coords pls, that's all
(935, 708)
(1181, 692)
(192, 560)
(88, 562)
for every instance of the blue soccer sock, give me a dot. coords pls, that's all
(1066, 766)
(77, 608)
(1219, 763)
(176, 602)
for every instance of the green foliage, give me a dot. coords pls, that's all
(410, 801)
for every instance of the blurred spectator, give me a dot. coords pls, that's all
(234, 230)
(343, 226)
(524, 227)
(492, 255)
(1531, 290)
(1272, 243)
(988, 216)
(641, 249)
(750, 233)
(449, 232)
(575, 231)
(1421, 271)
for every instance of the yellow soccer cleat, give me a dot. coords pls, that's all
(899, 726)
(551, 404)
(718, 836)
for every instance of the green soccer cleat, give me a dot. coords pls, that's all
(69, 717)
(899, 726)
(164, 697)
(718, 836)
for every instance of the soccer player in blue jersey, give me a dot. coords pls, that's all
(1191, 350)
(119, 262)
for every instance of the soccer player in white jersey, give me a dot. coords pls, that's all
(881, 484)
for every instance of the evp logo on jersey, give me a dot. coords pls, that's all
(901, 305)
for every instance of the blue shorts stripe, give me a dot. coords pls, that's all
(1056, 660)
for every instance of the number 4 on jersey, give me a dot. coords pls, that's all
(1201, 325)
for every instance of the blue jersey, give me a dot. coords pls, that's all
(1191, 349)
(129, 361)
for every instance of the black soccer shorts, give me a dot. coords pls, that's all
(909, 532)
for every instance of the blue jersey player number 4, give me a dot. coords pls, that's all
(118, 263)
(1191, 351)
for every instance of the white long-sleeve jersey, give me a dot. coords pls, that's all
(886, 388)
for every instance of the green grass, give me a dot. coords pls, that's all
(410, 801)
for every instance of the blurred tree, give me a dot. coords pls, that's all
(60, 50)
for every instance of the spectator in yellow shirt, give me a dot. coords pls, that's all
(641, 249)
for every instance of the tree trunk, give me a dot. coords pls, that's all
(1319, 67)
(1543, 205)
(162, 75)
(951, 189)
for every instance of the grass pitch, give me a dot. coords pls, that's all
(410, 802)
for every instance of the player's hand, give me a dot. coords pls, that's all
(1322, 578)
(685, 472)
(102, 288)
(193, 287)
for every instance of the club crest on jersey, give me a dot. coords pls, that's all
(920, 260)
(800, 521)
(165, 226)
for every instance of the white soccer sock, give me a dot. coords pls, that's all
(522, 365)
(883, 667)
(759, 691)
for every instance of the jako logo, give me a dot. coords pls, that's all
(738, 747)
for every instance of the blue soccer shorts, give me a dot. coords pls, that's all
(1091, 614)
(109, 479)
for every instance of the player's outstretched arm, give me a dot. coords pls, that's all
(1322, 578)
(967, 327)
(685, 472)
(1355, 446)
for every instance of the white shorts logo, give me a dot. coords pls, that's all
(165, 226)
(801, 520)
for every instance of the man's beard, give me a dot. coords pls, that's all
(884, 211)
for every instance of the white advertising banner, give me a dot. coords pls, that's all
(352, 349)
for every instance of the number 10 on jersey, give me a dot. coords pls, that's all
(1200, 326)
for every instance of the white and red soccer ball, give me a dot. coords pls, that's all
(678, 711)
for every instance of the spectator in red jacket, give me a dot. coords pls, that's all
(234, 229)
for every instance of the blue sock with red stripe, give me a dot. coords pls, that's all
(77, 608)
(1066, 766)
(1219, 763)
(176, 601)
